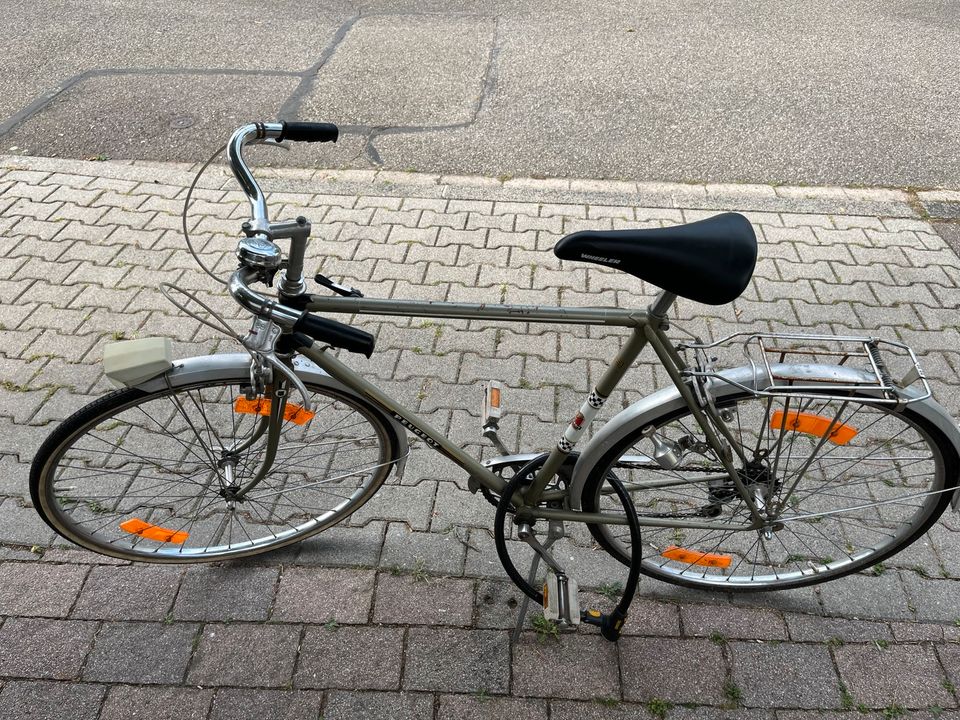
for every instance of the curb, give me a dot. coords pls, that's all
(876, 202)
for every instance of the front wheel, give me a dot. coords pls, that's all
(841, 484)
(150, 476)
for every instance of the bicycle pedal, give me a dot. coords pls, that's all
(561, 602)
(492, 412)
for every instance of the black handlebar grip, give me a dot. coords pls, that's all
(335, 333)
(309, 132)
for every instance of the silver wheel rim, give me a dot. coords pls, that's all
(155, 459)
(872, 495)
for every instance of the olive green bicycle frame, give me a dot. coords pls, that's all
(648, 327)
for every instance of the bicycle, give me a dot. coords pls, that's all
(780, 473)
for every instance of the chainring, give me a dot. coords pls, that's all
(560, 481)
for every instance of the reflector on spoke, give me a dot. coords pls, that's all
(810, 424)
(695, 557)
(136, 526)
(261, 406)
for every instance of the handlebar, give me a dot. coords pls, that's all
(258, 251)
(266, 132)
(249, 299)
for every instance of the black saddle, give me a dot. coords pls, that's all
(710, 261)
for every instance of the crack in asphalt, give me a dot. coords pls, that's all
(42, 102)
(291, 107)
(487, 88)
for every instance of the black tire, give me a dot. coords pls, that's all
(816, 546)
(160, 459)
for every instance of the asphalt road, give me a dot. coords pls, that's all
(813, 92)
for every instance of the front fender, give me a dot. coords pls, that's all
(668, 400)
(236, 366)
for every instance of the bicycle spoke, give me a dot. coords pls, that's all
(843, 502)
(156, 460)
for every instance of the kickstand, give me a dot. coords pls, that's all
(522, 614)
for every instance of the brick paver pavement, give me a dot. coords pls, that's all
(421, 606)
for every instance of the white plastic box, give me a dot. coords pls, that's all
(132, 362)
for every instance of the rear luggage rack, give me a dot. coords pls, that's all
(799, 365)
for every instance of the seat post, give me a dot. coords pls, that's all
(661, 304)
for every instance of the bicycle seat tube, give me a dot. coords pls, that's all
(624, 360)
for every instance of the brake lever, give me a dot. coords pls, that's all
(338, 288)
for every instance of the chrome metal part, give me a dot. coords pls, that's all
(498, 465)
(256, 303)
(229, 471)
(261, 342)
(666, 453)
(567, 603)
(251, 133)
(750, 379)
(563, 604)
(294, 380)
(501, 461)
(263, 336)
(526, 533)
(291, 285)
(261, 375)
(873, 356)
(258, 251)
(491, 434)
(760, 498)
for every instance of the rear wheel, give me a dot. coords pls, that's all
(842, 485)
(150, 476)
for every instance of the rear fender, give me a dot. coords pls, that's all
(668, 400)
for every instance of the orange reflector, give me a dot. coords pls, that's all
(813, 425)
(261, 406)
(495, 397)
(136, 526)
(695, 557)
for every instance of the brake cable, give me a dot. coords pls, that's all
(186, 207)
